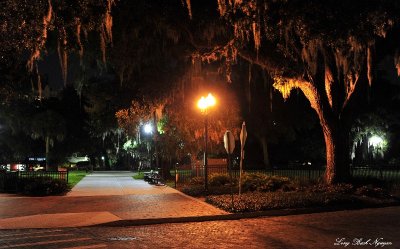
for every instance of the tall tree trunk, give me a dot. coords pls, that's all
(106, 161)
(337, 152)
(334, 128)
(47, 152)
(101, 162)
(197, 168)
(156, 140)
(264, 144)
(92, 162)
(166, 168)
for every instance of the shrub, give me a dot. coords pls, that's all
(219, 179)
(257, 201)
(369, 180)
(250, 182)
(278, 182)
(198, 180)
(42, 186)
(340, 188)
(195, 190)
(264, 183)
(371, 191)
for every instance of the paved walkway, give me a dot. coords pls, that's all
(362, 229)
(100, 197)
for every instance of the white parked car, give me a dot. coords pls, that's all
(76, 159)
(37, 168)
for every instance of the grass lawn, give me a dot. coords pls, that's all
(170, 183)
(75, 176)
(138, 176)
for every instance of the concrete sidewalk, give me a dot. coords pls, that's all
(101, 197)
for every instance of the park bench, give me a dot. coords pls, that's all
(152, 177)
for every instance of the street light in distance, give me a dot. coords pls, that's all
(148, 128)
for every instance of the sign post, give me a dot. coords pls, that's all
(229, 144)
(243, 136)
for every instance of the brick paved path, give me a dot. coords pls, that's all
(319, 230)
(98, 198)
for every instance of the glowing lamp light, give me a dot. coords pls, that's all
(206, 102)
(375, 141)
(148, 128)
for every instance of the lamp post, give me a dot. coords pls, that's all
(204, 104)
(148, 129)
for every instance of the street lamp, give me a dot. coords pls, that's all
(204, 104)
(148, 129)
(375, 141)
(378, 145)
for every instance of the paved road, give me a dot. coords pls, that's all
(100, 197)
(298, 231)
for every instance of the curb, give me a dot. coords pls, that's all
(200, 201)
(237, 216)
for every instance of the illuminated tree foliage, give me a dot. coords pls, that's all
(187, 122)
(26, 28)
(182, 130)
(139, 113)
(147, 39)
(326, 49)
(323, 48)
(365, 128)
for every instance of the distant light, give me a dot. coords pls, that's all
(102, 158)
(148, 128)
(375, 141)
(39, 159)
(206, 102)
